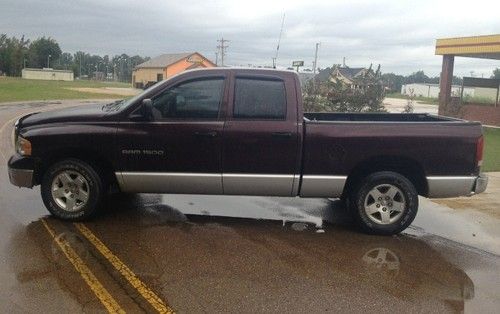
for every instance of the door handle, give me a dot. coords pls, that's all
(282, 134)
(211, 134)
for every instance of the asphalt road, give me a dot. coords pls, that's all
(187, 253)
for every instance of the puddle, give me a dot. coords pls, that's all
(303, 214)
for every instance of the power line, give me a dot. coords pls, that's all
(222, 48)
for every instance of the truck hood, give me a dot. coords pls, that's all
(92, 112)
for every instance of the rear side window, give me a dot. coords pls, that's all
(259, 99)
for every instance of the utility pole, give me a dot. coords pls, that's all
(222, 48)
(217, 58)
(316, 58)
(343, 62)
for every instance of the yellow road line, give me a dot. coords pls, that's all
(153, 299)
(101, 293)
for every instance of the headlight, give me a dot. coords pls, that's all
(23, 146)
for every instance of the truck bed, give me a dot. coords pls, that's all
(336, 143)
(376, 117)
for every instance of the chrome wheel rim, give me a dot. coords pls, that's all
(385, 204)
(70, 190)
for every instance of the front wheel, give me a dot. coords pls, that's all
(72, 190)
(384, 203)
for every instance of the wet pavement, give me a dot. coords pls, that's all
(192, 253)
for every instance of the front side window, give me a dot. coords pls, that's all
(259, 99)
(199, 99)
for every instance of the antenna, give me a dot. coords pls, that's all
(275, 59)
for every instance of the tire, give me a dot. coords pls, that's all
(384, 203)
(72, 190)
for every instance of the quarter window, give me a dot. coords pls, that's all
(198, 99)
(259, 99)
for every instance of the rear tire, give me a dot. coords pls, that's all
(384, 203)
(72, 190)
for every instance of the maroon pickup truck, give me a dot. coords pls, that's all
(243, 132)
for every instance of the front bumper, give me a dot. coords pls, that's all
(21, 177)
(454, 186)
(22, 171)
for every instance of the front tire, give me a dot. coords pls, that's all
(72, 190)
(384, 203)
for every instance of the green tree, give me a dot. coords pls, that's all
(417, 77)
(65, 61)
(393, 82)
(12, 54)
(40, 50)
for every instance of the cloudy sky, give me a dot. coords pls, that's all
(398, 34)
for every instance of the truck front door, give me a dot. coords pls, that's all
(180, 151)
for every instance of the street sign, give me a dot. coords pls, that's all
(298, 63)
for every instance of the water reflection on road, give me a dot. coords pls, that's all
(213, 263)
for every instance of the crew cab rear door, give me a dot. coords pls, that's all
(260, 149)
(180, 150)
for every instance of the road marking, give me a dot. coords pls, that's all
(153, 299)
(101, 293)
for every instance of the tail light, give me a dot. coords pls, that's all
(479, 151)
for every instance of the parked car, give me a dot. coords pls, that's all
(243, 132)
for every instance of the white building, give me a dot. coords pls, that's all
(432, 90)
(47, 74)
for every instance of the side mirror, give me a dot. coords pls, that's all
(147, 109)
(144, 112)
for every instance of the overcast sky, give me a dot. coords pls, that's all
(398, 34)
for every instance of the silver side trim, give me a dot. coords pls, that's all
(450, 186)
(170, 182)
(322, 186)
(258, 184)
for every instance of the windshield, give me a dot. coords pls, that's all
(124, 103)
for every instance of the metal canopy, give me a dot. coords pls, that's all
(483, 47)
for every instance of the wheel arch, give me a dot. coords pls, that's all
(101, 164)
(405, 166)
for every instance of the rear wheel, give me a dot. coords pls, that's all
(72, 190)
(384, 203)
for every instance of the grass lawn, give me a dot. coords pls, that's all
(17, 89)
(491, 150)
(425, 100)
